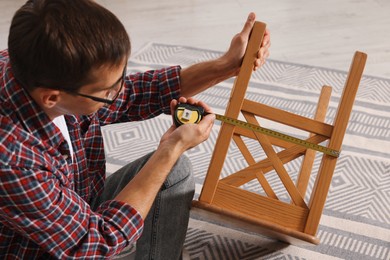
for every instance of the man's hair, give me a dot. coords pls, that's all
(57, 43)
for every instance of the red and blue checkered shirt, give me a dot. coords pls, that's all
(44, 196)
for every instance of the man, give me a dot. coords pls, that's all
(61, 79)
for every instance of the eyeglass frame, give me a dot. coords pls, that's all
(103, 100)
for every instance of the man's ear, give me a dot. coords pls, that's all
(48, 97)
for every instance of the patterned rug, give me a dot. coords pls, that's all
(356, 219)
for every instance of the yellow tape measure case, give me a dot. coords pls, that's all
(187, 114)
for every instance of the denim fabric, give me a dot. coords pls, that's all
(166, 224)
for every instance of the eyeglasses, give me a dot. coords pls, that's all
(112, 93)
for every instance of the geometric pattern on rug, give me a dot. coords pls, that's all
(221, 247)
(356, 219)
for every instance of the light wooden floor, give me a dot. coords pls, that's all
(313, 32)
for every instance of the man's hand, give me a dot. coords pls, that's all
(188, 135)
(141, 191)
(199, 77)
(239, 43)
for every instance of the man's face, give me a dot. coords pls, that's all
(107, 83)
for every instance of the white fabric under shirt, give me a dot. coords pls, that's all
(61, 124)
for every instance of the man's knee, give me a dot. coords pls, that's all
(181, 173)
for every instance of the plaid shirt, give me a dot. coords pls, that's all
(44, 210)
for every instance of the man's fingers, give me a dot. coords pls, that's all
(266, 40)
(248, 25)
(173, 105)
(208, 122)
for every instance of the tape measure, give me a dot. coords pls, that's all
(189, 114)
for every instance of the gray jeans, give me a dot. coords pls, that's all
(166, 225)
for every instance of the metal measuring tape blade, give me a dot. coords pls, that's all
(189, 114)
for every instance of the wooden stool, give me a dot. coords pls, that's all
(294, 221)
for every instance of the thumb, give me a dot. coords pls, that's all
(173, 105)
(249, 24)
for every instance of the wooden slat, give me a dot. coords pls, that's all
(243, 149)
(216, 163)
(233, 110)
(250, 160)
(277, 164)
(233, 219)
(251, 204)
(325, 174)
(265, 185)
(287, 118)
(245, 175)
(308, 160)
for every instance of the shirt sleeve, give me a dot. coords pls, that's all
(145, 96)
(39, 207)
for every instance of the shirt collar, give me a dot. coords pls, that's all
(27, 112)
